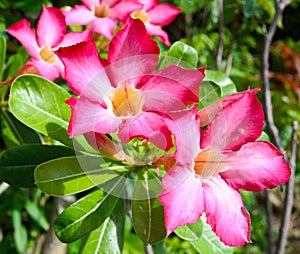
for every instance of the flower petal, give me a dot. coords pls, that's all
(72, 38)
(239, 122)
(209, 112)
(182, 198)
(26, 36)
(185, 85)
(185, 128)
(133, 40)
(104, 26)
(147, 125)
(51, 27)
(84, 73)
(163, 14)
(79, 15)
(157, 31)
(46, 70)
(255, 167)
(87, 116)
(225, 213)
(122, 10)
(90, 3)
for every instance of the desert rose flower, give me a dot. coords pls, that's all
(101, 15)
(124, 94)
(51, 33)
(155, 15)
(209, 171)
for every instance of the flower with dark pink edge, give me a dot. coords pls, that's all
(210, 167)
(125, 94)
(51, 34)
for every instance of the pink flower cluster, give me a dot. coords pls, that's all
(126, 94)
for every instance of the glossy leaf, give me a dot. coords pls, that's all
(85, 215)
(224, 83)
(16, 133)
(190, 232)
(40, 104)
(69, 175)
(2, 55)
(147, 211)
(18, 163)
(180, 54)
(209, 243)
(109, 237)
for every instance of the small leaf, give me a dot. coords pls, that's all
(109, 237)
(37, 215)
(69, 175)
(220, 79)
(20, 232)
(264, 137)
(190, 232)
(209, 243)
(86, 214)
(18, 163)
(2, 55)
(147, 211)
(180, 54)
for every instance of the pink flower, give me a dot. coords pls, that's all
(101, 15)
(50, 35)
(155, 15)
(124, 93)
(209, 173)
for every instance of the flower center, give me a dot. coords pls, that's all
(207, 163)
(47, 55)
(125, 100)
(102, 10)
(142, 15)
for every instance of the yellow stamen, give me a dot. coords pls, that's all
(47, 55)
(207, 163)
(125, 101)
(102, 11)
(142, 15)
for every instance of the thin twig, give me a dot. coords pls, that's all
(273, 131)
(231, 49)
(221, 36)
(269, 214)
(149, 249)
(289, 195)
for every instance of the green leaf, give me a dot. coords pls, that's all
(85, 215)
(18, 163)
(180, 54)
(2, 55)
(224, 83)
(109, 237)
(209, 243)
(264, 137)
(20, 232)
(71, 175)
(37, 215)
(147, 211)
(190, 232)
(40, 104)
(16, 133)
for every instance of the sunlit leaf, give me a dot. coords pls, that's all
(180, 54)
(209, 243)
(86, 214)
(37, 215)
(109, 237)
(18, 163)
(69, 175)
(190, 232)
(224, 83)
(20, 232)
(147, 211)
